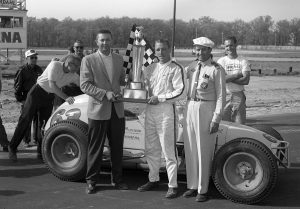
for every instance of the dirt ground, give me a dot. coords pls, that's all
(265, 95)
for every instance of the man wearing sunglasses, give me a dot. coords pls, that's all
(24, 80)
(78, 50)
(72, 89)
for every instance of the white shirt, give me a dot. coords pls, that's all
(234, 66)
(108, 63)
(54, 72)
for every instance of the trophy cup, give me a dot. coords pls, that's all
(135, 91)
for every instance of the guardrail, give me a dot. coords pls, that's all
(275, 72)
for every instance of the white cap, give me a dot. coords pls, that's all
(30, 52)
(203, 41)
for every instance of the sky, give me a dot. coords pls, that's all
(221, 10)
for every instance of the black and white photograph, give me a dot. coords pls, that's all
(161, 104)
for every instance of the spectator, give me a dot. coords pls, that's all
(40, 97)
(24, 80)
(3, 136)
(237, 71)
(72, 90)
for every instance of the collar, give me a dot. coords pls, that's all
(206, 62)
(103, 55)
(165, 64)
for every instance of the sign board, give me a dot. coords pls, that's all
(8, 3)
(13, 38)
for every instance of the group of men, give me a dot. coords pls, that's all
(102, 75)
(203, 83)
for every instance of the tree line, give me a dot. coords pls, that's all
(263, 30)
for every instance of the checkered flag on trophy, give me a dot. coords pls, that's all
(149, 55)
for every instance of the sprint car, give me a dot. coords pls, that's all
(245, 165)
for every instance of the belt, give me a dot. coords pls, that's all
(197, 99)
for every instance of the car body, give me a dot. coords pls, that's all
(245, 163)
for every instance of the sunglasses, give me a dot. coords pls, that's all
(33, 58)
(78, 47)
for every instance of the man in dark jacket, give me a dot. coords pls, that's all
(24, 80)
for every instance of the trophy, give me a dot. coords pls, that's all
(136, 91)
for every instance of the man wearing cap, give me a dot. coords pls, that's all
(166, 86)
(237, 71)
(40, 97)
(206, 99)
(3, 136)
(26, 78)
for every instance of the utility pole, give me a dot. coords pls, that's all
(222, 37)
(173, 35)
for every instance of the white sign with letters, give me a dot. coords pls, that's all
(13, 38)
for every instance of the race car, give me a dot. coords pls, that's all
(246, 159)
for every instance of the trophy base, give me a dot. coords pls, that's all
(135, 95)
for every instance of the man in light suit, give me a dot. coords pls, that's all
(101, 75)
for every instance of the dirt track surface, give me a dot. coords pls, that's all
(265, 95)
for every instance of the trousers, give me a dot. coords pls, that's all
(38, 100)
(3, 136)
(235, 108)
(160, 139)
(114, 130)
(199, 144)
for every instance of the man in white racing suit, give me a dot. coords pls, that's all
(166, 85)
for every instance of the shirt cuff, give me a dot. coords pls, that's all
(161, 98)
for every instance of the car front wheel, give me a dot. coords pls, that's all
(244, 171)
(64, 149)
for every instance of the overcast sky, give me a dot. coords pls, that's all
(223, 10)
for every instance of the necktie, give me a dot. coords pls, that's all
(194, 89)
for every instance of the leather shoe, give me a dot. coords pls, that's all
(190, 193)
(12, 155)
(201, 198)
(172, 193)
(91, 189)
(5, 149)
(121, 186)
(148, 186)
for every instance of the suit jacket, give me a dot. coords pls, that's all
(94, 81)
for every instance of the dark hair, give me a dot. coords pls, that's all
(104, 31)
(232, 38)
(71, 49)
(163, 41)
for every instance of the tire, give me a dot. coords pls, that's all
(269, 130)
(64, 149)
(229, 171)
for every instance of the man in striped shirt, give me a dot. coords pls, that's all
(40, 97)
(166, 86)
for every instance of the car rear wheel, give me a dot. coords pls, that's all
(64, 149)
(244, 171)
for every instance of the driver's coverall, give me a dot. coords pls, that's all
(166, 81)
